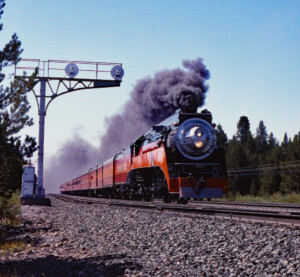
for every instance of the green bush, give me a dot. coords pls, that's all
(10, 209)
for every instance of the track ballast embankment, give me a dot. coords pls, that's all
(80, 239)
(278, 213)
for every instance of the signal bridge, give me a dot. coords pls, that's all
(62, 77)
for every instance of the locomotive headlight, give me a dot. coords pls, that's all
(196, 139)
(199, 144)
(199, 134)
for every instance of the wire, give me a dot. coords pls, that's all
(289, 167)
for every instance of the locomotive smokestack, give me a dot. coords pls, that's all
(188, 101)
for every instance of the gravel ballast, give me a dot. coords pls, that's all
(95, 240)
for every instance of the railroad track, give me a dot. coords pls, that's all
(287, 214)
(277, 207)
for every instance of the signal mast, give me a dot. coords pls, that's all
(60, 77)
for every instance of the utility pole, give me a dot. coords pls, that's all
(59, 77)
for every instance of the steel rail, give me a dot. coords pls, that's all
(278, 217)
(287, 208)
(240, 203)
(295, 208)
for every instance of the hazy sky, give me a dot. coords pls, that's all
(252, 49)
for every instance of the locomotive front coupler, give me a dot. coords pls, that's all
(201, 182)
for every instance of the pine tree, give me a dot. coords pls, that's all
(222, 139)
(272, 142)
(285, 140)
(291, 153)
(296, 147)
(243, 129)
(14, 117)
(240, 154)
(261, 138)
(264, 182)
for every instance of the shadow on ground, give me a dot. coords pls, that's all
(109, 265)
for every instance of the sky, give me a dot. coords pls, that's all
(251, 48)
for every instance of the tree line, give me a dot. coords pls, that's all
(269, 166)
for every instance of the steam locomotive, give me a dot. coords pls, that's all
(175, 160)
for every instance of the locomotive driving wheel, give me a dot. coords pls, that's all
(160, 186)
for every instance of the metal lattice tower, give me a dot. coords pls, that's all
(60, 77)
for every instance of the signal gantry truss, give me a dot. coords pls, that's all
(59, 76)
(53, 74)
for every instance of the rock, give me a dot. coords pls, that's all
(95, 240)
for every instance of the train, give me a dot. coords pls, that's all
(176, 160)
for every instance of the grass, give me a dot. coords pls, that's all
(274, 198)
(9, 217)
(10, 210)
(12, 246)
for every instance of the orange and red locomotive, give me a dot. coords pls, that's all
(176, 159)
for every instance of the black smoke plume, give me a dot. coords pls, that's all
(72, 159)
(152, 100)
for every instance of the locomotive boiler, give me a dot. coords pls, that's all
(175, 160)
